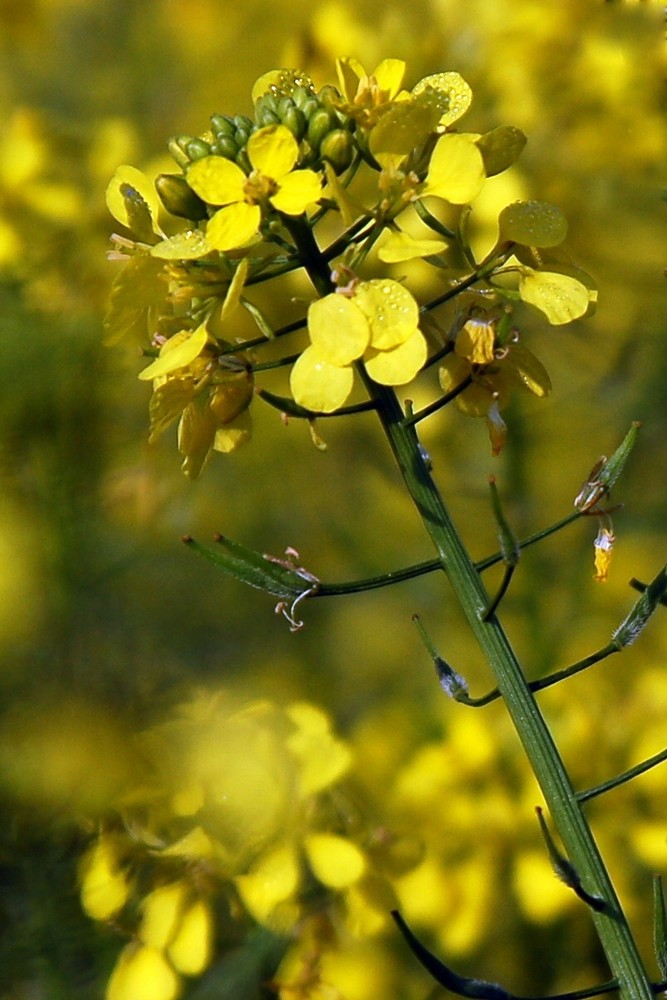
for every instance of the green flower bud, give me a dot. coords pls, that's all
(178, 197)
(301, 96)
(244, 123)
(242, 160)
(319, 125)
(197, 148)
(177, 151)
(265, 116)
(294, 120)
(222, 125)
(310, 106)
(225, 145)
(329, 97)
(338, 148)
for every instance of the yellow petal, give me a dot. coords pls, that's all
(233, 226)
(196, 434)
(168, 402)
(399, 364)
(104, 885)
(161, 914)
(319, 385)
(273, 879)
(184, 246)
(397, 247)
(135, 179)
(475, 341)
(389, 75)
(453, 93)
(233, 296)
(234, 434)
(142, 973)
(216, 180)
(533, 223)
(391, 311)
(456, 170)
(335, 861)
(560, 297)
(338, 328)
(350, 208)
(349, 72)
(529, 370)
(192, 948)
(322, 758)
(604, 549)
(196, 843)
(179, 355)
(273, 151)
(297, 191)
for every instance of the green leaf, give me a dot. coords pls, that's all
(532, 223)
(560, 297)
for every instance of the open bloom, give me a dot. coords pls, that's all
(272, 152)
(377, 325)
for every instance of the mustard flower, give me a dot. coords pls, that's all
(378, 325)
(273, 152)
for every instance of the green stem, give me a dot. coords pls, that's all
(611, 924)
(547, 765)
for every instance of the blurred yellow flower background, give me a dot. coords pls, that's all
(162, 732)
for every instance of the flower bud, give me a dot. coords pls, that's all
(266, 116)
(301, 96)
(196, 149)
(319, 125)
(178, 197)
(294, 120)
(225, 145)
(222, 125)
(337, 148)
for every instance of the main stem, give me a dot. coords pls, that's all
(611, 924)
(547, 765)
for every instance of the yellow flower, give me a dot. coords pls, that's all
(368, 95)
(273, 152)
(378, 325)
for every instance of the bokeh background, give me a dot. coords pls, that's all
(107, 622)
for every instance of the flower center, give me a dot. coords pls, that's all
(259, 188)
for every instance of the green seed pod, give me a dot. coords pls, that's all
(295, 121)
(338, 148)
(197, 148)
(225, 146)
(178, 197)
(222, 125)
(319, 125)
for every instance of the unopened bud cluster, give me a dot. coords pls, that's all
(323, 131)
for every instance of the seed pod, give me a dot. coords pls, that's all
(178, 197)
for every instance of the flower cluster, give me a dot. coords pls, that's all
(247, 805)
(253, 192)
